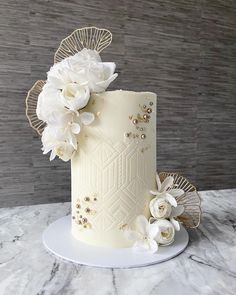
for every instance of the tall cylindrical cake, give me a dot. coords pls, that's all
(114, 168)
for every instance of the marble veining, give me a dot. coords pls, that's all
(208, 265)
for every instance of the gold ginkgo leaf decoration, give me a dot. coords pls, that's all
(88, 37)
(31, 106)
(190, 200)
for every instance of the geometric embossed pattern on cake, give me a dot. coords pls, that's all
(116, 163)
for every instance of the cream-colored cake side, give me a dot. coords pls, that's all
(114, 167)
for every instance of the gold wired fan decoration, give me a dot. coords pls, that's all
(31, 106)
(88, 37)
(191, 201)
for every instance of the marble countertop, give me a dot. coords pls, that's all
(207, 266)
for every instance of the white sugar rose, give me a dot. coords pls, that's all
(160, 208)
(166, 232)
(75, 96)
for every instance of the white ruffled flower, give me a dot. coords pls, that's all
(160, 208)
(143, 235)
(167, 190)
(97, 74)
(166, 232)
(75, 96)
(49, 104)
(83, 68)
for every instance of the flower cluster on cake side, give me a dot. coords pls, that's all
(160, 229)
(63, 98)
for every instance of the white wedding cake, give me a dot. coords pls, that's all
(114, 167)
(118, 199)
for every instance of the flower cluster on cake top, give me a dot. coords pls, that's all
(147, 235)
(63, 98)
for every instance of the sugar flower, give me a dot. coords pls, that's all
(167, 190)
(166, 232)
(143, 235)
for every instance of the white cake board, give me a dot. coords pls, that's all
(58, 239)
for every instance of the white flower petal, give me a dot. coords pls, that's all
(86, 118)
(176, 192)
(153, 230)
(108, 69)
(52, 156)
(153, 192)
(175, 224)
(167, 183)
(177, 211)
(153, 246)
(171, 200)
(158, 182)
(75, 128)
(141, 224)
(101, 86)
(132, 235)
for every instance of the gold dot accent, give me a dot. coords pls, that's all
(144, 106)
(135, 121)
(150, 103)
(87, 199)
(84, 220)
(143, 136)
(87, 210)
(78, 206)
(73, 217)
(95, 199)
(149, 110)
(145, 116)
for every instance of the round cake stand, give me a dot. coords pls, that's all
(58, 239)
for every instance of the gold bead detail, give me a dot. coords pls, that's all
(95, 199)
(150, 103)
(84, 220)
(87, 210)
(73, 217)
(78, 206)
(87, 199)
(141, 129)
(135, 121)
(143, 136)
(149, 110)
(145, 116)
(144, 106)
